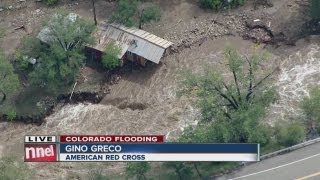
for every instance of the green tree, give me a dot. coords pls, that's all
(231, 110)
(11, 115)
(182, 169)
(218, 4)
(11, 169)
(51, 2)
(9, 81)
(289, 133)
(110, 59)
(30, 48)
(66, 36)
(311, 109)
(149, 13)
(125, 12)
(211, 4)
(138, 169)
(135, 13)
(315, 9)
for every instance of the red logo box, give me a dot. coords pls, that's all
(40, 153)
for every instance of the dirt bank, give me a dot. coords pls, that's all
(63, 99)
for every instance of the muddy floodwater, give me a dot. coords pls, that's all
(145, 102)
(299, 72)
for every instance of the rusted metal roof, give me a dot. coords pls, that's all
(133, 40)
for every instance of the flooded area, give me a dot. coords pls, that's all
(144, 101)
(299, 72)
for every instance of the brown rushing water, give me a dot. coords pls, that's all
(299, 72)
(145, 102)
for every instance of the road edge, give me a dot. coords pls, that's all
(290, 149)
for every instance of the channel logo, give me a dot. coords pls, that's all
(40, 153)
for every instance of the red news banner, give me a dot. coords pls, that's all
(46, 148)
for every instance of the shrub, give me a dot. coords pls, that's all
(181, 169)
(9, 80)
(290, 133)
(217, 4)
(315, 9)
(311, 109)
(150, 13)
(59, 63)
(30, 48)
(211, 4)
(135, 13)
(51, 2)
(11, 115)
(125, 12)
(110, 59)
(138, 169)
(21, 61)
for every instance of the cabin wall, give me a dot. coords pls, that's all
(96, 55)
(93, 54)
(134, 58)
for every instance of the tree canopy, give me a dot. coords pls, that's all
(110, 59)
(138, 169)
(61, 60)
(9, 81)
(125, 12)
(218, 4)
(315, 9)
(68, 31)
(311, 109)
(135, 13)
(232, 107)
(290, 133)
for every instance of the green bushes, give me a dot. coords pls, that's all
(211, 4)
(181, 169)
(290, 133)
(310, 106)
(135, 13)
(137, 169)
(9, 81)
(231, 112)
(110, 59)
(21, 61)
(11, 115)
(51, 2)
(30, 49)
(315, 9)
(150, 13)
(218, 4)
(125, 12)
(59, 63)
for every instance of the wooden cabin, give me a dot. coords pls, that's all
(136, 45)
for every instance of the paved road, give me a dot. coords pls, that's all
(301, 164)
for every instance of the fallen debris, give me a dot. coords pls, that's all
(19, 27)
